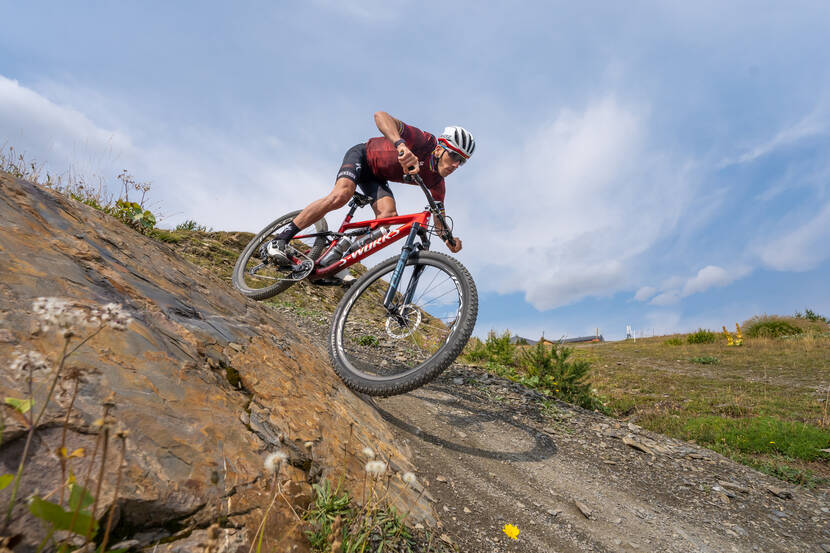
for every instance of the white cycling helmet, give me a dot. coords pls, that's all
(459, 140)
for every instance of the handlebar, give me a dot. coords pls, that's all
(433, 207)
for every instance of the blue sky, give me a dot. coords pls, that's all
(657, 164)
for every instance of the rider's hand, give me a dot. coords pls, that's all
(457, 246)
(408, 160)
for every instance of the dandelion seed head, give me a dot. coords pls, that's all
(375, 468)
(367, 451)
(68, 317)
(274, 460)
(58, 313)
(409, 478)
(28, 360)
(114, 316)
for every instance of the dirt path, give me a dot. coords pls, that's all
(573, 480)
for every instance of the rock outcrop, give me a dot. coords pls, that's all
(206, 382)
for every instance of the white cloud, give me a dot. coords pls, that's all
(669, 297)
(802, 248)
(644, 293)
(47, 131)
(815, 123)
(568, 213)
(706, 278)
(196, 174)
(674, 289)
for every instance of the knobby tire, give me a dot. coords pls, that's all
(348, 352)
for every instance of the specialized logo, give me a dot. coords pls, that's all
(369, 247)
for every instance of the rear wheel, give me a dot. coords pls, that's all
(385, 352)
(262, 278)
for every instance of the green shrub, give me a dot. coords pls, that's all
(191, 225)
(549, 369)
(811, 316)
(702, 336)
(496, 349)
(674, 341)
(771, 328)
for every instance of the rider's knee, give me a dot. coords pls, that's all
(343, 191)
(338, 199)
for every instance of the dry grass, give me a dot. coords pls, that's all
(663, 389)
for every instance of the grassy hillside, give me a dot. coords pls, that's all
(764, 403)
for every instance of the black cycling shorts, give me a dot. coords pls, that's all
(356, 168)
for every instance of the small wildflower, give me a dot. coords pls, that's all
(409, 478)
(375, 468)
(772, 442)
(24, 361)
(274, 460)
(55, 312)
(511, 531)
(114, 316)
(367, 451)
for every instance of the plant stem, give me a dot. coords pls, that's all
(86, 480)
(100, 480)
(61, 451)
(46, 539)
(33, 424)
(115, 495)
(261, 528)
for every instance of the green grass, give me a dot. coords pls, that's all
(701, 337)
(768, 390)
(768, 435)
(705, 360)
(335, 518)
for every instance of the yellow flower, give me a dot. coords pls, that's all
(511, 531)
(772, 442)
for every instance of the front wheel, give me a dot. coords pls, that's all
(260, 278)
(380, 351)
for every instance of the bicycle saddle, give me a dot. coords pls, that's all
(360, 199)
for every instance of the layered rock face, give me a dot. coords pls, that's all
(206, 382)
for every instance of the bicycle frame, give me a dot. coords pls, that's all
(411, 225)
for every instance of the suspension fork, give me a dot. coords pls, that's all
(407, 250)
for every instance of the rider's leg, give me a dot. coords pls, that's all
(385, 207)
(343, 191)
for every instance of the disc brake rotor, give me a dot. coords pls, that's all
(404, 323)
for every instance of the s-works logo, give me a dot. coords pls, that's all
(369, 247)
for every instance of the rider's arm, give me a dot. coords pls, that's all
(392, 128)
(440, 229)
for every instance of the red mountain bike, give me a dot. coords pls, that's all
(401, 323)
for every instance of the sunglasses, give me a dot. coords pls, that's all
(455, 156)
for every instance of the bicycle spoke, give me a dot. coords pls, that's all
(381, 345)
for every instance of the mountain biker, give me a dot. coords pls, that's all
(402, 150)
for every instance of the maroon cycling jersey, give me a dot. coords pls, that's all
(383, 158)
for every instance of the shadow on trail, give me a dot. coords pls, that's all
(476, 414)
